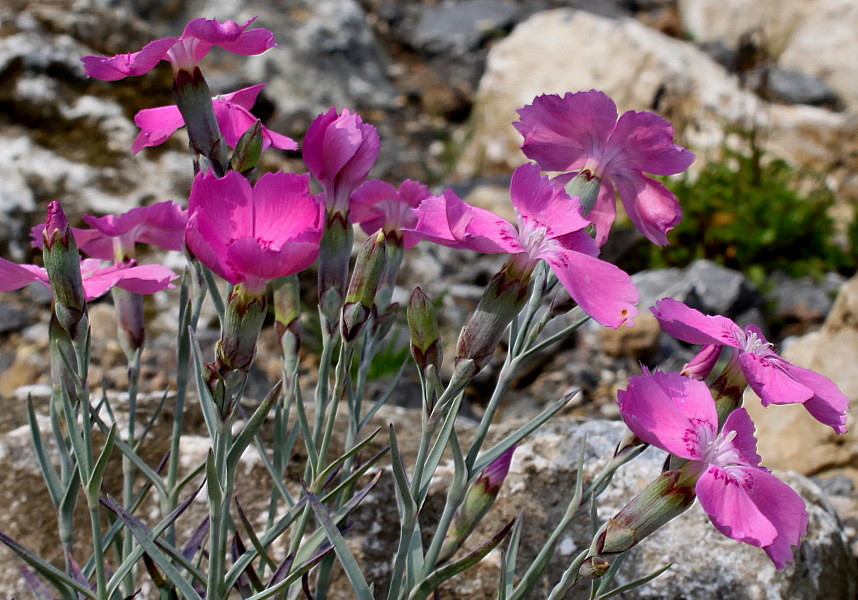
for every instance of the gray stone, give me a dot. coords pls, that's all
(719, 290)
(457, 27)
(794, 87)
(11, 319)
(805, 299)
(327, 57)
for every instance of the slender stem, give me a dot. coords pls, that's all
(169, 503)
(569, 579)
(219, 515)
(97, 548)
(509, 368)
(128, 469)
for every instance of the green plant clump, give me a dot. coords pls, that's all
(746, 213)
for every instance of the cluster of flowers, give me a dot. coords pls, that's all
(250, 233)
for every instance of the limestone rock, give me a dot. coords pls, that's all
(727, 21)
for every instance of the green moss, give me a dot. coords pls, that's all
(746, 213)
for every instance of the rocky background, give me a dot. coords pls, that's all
(441, 80)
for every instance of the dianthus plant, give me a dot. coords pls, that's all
(251, 239)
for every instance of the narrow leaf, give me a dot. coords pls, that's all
(635, 584)
(442, 574)
(56, 577)
(94, 483)
(519, 434)
(347, 559)
(144, 537)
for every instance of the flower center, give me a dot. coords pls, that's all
(751, 342)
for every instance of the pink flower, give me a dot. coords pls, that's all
(161, 224)
(743, 500)
(97, 279)
(232, 112)
(772, 378)
(339, 150)
(378, 205)
(580, 133)
(184, 52)
(547, 230)
(253, 235)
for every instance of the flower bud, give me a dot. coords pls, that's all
(478, 500)
(245, 312)
(194, 100)
(334, 252)
(129, 318)
(248, 150)
(62, 263)
(504, 297)
(287, 304)
(360, 298)
(585, 185)
(594, 567)
(665, 498)
(702, 364)
(425, 334)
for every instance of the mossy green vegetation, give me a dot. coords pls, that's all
(755, 214)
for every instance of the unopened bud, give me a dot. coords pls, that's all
(194, 100)
(585, 185)
(478, 500)
(423, 326)
(248, 150)
(501, 302)
(62, 263)
(702, 364)
(360, 298)
(594, 567)
(243, 319)
(286, 293)
(665, 498)
(130, 319)
(562, 303)
(335, 250)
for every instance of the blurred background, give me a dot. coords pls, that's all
(765, 92)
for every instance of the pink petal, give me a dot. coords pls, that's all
(245, 97)
(364, 202)
(248, 258)
(536, 198)
(14, 276)
(230, 36)
(156, 126)
(604, 211)
(669, 411)
(761, 510)
(142, 279)
(131, 64)
(644, 142)
(744, 441)
(563, 134)
(235, 120)
(828, 404)
(162, 224)
(284, 208)
(314, 143)
(725, 496)
(650, 206)
(771, 382)
(212, 253)
(692, 326)
(604, 291)
(448, 220)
